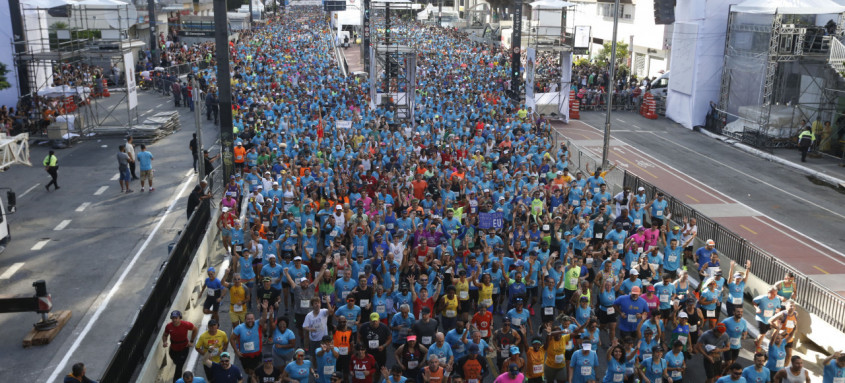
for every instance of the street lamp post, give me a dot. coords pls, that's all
(605, 151)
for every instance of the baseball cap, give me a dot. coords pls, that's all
(473, 348)
(212, 270)
(224, 354)
(711, 242)
(635, 272)
(213, 322)
(268, 358)
(513, 368)
(271, 256)
(737, 275)
(176, 314)
(297, 258)
(649, 288)
(514, 350)
(676, 227)
(682, 315)
(412, 338)
(636, 290)
(640, 188)
(303, 279)
(374, 317)
(720, 328)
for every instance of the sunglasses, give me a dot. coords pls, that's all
(224, 360)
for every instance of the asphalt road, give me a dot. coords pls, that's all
(81, 238)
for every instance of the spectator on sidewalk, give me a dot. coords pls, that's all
(77, 374)
(130, 150)
(145, 161)
(125, 176)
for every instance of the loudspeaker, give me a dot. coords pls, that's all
(664, 11)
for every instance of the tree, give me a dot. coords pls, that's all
(622, 54)
(4, 84)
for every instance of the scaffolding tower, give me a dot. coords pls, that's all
(395, 60)
(92, 37)
(779, 69)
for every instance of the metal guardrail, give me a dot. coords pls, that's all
(815, 298)
(135, 345)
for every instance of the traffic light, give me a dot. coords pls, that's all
(664, 11)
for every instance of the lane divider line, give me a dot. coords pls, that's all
(11, 270)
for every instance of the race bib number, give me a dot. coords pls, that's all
(711, 313)
(646, 356)
(768, 313)
(693, 328)
(790, 324)
(549, 310)
(364, 302)
(632, 318)
(639, 250)
(344, 294)
(618, 377)
(660, 213)
(779, 363)
(599, 235)
(675, 374)
(736, 301)
(504, 353)
(487, 302)
(472, 380)
(381, 309)
(560, 358)
(586, 370)
(672, 258)
(619, 246)
(413, 364)
(484, 333)
(426, 340)
(638, 222)
(210, 292)
(359, 375)
(495, 291)
(516, 321)
(238, 248)
(463, 295)
(682, 339)
(451, 313)
(596, 190)
(373, 344)
(735, 342)
(304, 303)
(265, 223)
(343, 350)
(664, 298)
(238, 308)
(328, 370)
(611, 310)
(537, 368)
(249, 346)
(389, 226)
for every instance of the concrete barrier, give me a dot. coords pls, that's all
(158, 367)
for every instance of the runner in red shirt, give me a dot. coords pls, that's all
(483, 321)
(177, 330)
(362, 365)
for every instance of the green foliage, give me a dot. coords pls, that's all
(582, 61)
(4, 84)
(622, 53)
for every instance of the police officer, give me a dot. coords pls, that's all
(806, 140)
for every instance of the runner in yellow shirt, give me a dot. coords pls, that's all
(238, 300)
(213, 341)
(535, 360)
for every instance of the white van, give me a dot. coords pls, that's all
(660, 85)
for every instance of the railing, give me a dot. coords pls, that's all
(815, 298)
(837, 56)
(135, 345)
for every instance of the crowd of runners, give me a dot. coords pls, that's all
(458, 248)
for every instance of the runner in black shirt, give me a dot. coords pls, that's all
(268, 373)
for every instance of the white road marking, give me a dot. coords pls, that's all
(29, 190)
(192, 359)
(754, 178)
(40, 244)
(60, 369)
(12, 270)
(115, 177)
(101, 190)
(189, 173)
(82, 207)
(104, 146)
(62, 225)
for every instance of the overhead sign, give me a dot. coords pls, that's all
(582, 37)
(131, 88)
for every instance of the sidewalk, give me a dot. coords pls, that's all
(827, 169)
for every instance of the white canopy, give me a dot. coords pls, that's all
(551, 4)
(789, 7)
(64, 91)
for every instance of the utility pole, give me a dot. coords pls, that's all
(151, 9)
(516, 47)
(224, 86)
(251, 21)
(611, 86)
(201, 162)
(440, 14)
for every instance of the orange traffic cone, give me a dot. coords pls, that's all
(575, 111)
(106, 89)
(651, 112)
(644, 105)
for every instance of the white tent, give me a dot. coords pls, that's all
(789, 7)
(551, 4)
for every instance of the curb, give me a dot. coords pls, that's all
(832, 181)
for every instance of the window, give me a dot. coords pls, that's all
(626, 11)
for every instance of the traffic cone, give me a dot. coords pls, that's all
(575, 111)
(106, 89)
(644, 106)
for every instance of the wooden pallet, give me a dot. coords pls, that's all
(39, 338)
